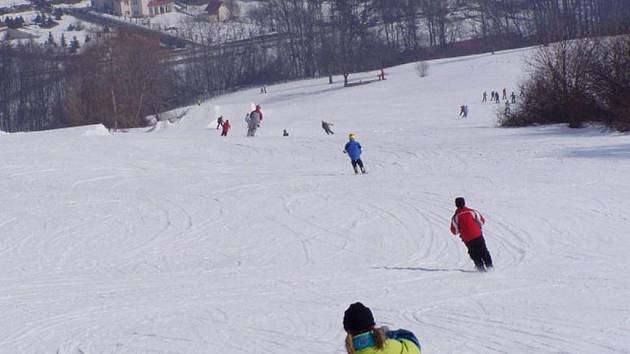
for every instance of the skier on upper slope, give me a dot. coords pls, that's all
(353, 149)
(467, 223)
(364, 338)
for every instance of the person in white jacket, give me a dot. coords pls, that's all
(253, 121)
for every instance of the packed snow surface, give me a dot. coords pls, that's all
(182, 241)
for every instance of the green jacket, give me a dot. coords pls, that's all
(400, 341)
(393, 346)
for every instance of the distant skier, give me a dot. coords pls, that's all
(381, 75)
(326, 127)
(219, 122)
(468, 224)
(504, 94)
(253, 121)
(353, 149)
(226, 128)
(485, 97)
(363, 337)
(285, 132)
(513, 95)
(463, 111)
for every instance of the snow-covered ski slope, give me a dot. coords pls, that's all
(180, 241)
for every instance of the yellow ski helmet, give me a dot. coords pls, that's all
(351, 136)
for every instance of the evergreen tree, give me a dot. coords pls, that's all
(74, 45)
(51, 40)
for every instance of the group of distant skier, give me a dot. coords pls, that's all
(496, 97)
(363, 337)
(255, 117)
(466, 222)
(253, 120)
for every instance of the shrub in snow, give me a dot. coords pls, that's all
(576, 82)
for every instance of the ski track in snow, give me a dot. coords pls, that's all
(180, 241)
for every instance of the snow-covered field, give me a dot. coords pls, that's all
(180, 241)
(12, 3)
(41, 34)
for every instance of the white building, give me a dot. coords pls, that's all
(133, 8)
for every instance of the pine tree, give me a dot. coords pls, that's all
(51, 40)
(74, 45)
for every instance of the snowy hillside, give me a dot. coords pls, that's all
(182, 241)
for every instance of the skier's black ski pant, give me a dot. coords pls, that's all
(356, 163)
(478, 252)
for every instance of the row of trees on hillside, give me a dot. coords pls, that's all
(31, 89)
(118, 81)
(121, 77)
(342, 36)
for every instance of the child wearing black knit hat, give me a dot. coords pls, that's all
(364, 338)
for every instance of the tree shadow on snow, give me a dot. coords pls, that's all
(621, 151)
(425, 269)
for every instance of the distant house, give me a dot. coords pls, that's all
(133, 8)
(157, 7)
(122, 8)
(217, 11)
(116, 7)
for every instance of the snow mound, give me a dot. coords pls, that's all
(96, 130)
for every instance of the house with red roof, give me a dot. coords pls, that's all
(217, 11)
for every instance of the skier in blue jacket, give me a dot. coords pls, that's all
(353, 149)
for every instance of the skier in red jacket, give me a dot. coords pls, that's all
(467, 223)
(226, 128)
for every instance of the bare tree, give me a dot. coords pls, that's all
(120, 81)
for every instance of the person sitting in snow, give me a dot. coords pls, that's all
(363, 337)
(226, 128)
(468, 224)
(353, 149)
